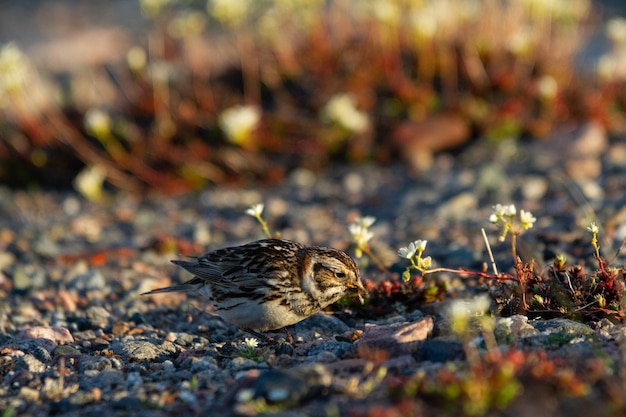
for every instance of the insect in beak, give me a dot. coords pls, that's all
(360, 291)
(361, 298)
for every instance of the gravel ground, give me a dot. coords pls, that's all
(76, 336)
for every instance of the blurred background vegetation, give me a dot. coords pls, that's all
(173, 95)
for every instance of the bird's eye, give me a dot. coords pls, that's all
(340, 274)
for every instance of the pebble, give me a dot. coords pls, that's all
(28, 277)
(98, 363)
(396, 339)
(98, 316)
(91, 280)
(440, 350)
(31, 363)
(143, 349)
(65, 350)
(56, 334)
(292, 386)
(329, 351)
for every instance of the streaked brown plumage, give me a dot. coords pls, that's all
(271, 283)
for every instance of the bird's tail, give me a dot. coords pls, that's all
(174, 288)
(192, 285)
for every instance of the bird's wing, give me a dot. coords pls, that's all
(245, 268)
(206, 271)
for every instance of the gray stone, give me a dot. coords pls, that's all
(321, 352)
(98, 316)
(32, 364)
(292, 386)
(143, 349)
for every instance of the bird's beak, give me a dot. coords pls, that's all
(361, 291)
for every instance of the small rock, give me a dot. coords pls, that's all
(330, 351)
(6, 260)
(417, 141)
(97, 363)
(41, 348)
(65, 350)
(555, 333)
(459, 207)
(42, 353)
(143, 349)
(292, 386)
(98, 316)
(534, 187)
(106, 380)
(67, 300)
(564, 326)
(57, 334)
(120, 328)
(616, 155)
(73, 402)
(85, 335)
(29, 394)
(590, 140)
(46, 247)
(133, 380)
(205, 365)
(509, 329)
(29, 277)
(32, 364)
(93, 281)
(322, 324)
(241, 364)
(395, 339)
(128, 404)
(284, 349)
(441, 350)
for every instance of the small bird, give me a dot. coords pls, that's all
(270, 284)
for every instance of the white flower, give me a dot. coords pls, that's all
(153, 7)
(98, 123)
(360, 234)
(407, 251)
(250, 342)
(255, 210)
(500, 211)
(548, 87)
(420, 245)
(460, 311)
(238, 123)
(509, 211)
(341, 109)
(89, 182)
(616, 30)
(527, 219)
(14, 69)
(416, 248)
(386, 12)
(136, 58)
(366, 221)
(593, 228)
(229, 12)
(187, 25)
(360, 230)
(521, 41)
(424, 23)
